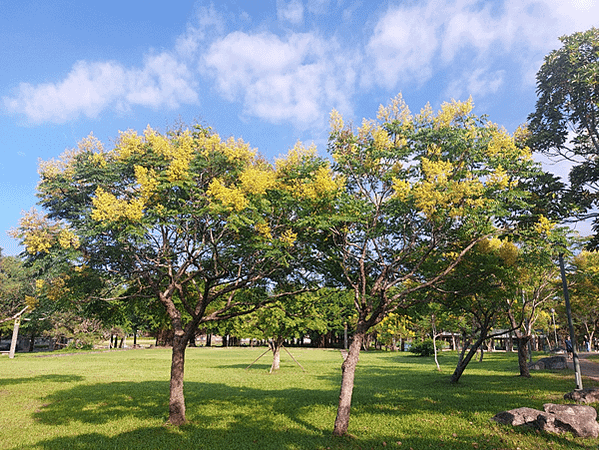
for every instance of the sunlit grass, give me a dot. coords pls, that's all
(119, 400)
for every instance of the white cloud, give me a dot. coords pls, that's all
(92, 87)
(296, 79)
(478, 83)
(402, 46)
(292, 11)
(410, 43)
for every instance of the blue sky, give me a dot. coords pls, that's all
(268, 71)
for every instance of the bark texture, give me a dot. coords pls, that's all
(348, 372)
(523, 355)
(177, 398)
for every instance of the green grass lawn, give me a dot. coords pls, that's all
(119, 400)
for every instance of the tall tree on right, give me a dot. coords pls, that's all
(565, 123)
(420, 192)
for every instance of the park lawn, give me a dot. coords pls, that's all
(119, 400)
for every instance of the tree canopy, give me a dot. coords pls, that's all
(565, 122)
(186, 216)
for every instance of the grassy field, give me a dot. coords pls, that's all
(119, 400)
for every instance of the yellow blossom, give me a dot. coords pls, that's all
(289, 237)
(544, 225)
(255, 180)
(263, 229)
(451, 111)
(129, 143)
(335, 121)
(231, 198)
(108, 208)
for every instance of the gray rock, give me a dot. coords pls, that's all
(550, 363)
(580, 420)
(589, 395)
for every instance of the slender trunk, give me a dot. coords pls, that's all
(348, 372)
(523, 342)
(177, 399)
(135, 339)
(464, 360)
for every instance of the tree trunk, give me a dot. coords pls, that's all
(348, 372)
(275, 346)
(135, 339)
(523, 355)
(32, 341)
(463, 362)
(177, 399)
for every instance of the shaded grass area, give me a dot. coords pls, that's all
(120, 400)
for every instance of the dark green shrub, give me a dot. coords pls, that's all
(423, 348)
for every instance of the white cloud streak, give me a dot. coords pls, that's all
(92, 87)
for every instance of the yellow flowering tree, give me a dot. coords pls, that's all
(190, 219)
(420, 192)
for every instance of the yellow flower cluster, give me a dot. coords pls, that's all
(288, 237)
(128, 144)
(61, 166)
(147, 181)
(263, 229)
(451, 111)
(295, 157)
(234, 150)
(544, 225)
(108, 208)
(67, 239)
(57, 288)
(436, 170)
(38, 234)
(401, 188)
(255, 180)
(32, 302)
(396, 110)
(506, 250)
(499, 178)
(231, 198)
(336, 121)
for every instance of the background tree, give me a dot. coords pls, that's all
(565, 122)
(188, 216)
(15, 287)
(584, 288)
(420, 193)
(281, 321)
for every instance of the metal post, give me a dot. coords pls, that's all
(570, 324)
(554, 327)
(345, 335)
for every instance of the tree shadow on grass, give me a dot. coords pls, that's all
(231, 417)
(50, 378)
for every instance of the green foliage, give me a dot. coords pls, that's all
(423, 348)
(566, 118)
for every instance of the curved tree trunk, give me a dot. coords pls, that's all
(463, 362)
(348, 371)
(177, 399)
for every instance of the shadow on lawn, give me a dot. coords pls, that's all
(50, 378)
(230, 417)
